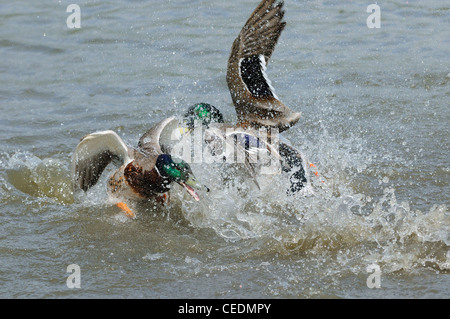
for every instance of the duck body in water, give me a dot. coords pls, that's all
(145, 172)
(220, 136)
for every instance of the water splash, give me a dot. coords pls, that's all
(334, 217)
(338, 216)
(48, 177)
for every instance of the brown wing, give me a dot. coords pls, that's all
(251, 90)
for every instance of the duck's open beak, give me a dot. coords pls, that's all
(190, 184)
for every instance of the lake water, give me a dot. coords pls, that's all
(375, 122)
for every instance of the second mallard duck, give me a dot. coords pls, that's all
(145, 172)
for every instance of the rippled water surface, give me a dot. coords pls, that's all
(375, 115)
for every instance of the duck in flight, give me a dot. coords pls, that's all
(253, 96)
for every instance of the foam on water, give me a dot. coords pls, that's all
(335, 215)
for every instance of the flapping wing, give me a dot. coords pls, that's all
(159, 139)
(94, 152)
(261, 31)
(251, 90)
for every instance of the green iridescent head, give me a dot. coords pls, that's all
(179, 171)
(203, 112)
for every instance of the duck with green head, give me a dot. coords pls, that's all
(203, 113)
(254, 98)
(145, 172)
(211, 119)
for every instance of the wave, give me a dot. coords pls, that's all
(334, 216)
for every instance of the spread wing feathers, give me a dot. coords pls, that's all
(261, 31)
(157, 140)
(94, 152)
(251, 90)
(252, 71)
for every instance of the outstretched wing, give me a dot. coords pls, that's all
(160, 138)
(261, 31)
(94, 152)
(251, 90)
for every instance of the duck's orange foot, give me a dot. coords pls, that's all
(126, 210)
(315, 171)
(163, 198)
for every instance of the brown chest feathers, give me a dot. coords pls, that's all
(146, 183)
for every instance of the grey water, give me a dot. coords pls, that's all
(375, 123)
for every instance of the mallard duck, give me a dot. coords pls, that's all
(149, 170)
(216, 137)
(145, 172)
(253, 96)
